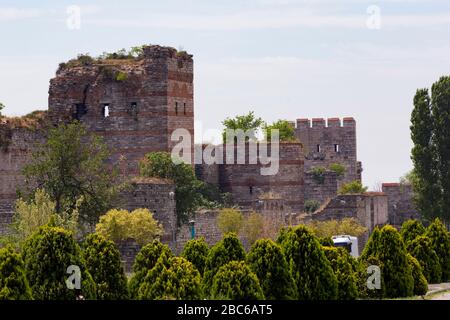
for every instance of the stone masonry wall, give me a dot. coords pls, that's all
(321, 191)
(401, 206)
(155, 98)
(327, 142)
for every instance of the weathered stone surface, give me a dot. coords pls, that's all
(401, 206)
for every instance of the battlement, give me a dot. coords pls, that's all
(304, 123)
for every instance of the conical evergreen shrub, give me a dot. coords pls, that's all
(267, 261)
(411, 229)
(420, 282)
(421, 249)
(196, 251)
(13, 281)
(440, 241)
(311, 270)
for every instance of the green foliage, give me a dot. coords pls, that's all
(161, 165)
(430, 133)
(329, 228)
(145, 261)
(2, 106)
(354, 187)
(253, 228)
(319, 174)
(123, 54)
(267, 261)
(104, 264)
(285, 129)
(47, 255)
(338, 168)
(311, 205)
(326, 241)
(230, 220)
(121, 76)
(172, 278)
(71, 167)
(421, 249)
(309, 266)
(440, 242)
(248, 123)
(235, 281)
(361, 266)
(411, 229)
(388, 247)
(226, 250)
(196, 251)
(13, 281)
(420, 282)
(121, 225)
(347, 278)
(32, 214)
(212, 197)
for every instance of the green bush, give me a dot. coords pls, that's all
(346, 277)
(230, 220)
(47, 255)
(312, 272)
(361, 266)
(196, 251)
(13, 281)
(420, 282)
(311, 205)
(388, 247)
(172, 278)
(411, 229)
(145, 261)
(227, 250)
(440, 241)
(267, 261)
(338, 168)
(354, 187)
(235, 281)
(319, 174)
(421, 249)
(104, 264)
(370, 247)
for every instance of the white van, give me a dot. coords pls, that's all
(348, 242)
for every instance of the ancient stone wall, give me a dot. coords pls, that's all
(158, 196)
(327, 142)
(18, 142)
(401, 206)
(136, 113)
(321, 188)
(246, 183)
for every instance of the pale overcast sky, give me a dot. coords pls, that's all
(284, 59)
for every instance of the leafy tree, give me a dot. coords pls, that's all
(330, 228)
(104, 264)
(2, 106)
(71, 166)
(120, 225)
(47, 255)
(145, 261)
(411, 229)
(230, 220)
(34, 213)
(430, 133)
(248, 123)
(172, 278)
(420, 282)
(235, 281)
(421, 249)
(224, 251)
(440, 242)
(285, 128)
(196, 251)
(13, 281)
(346, 277)
(253, 227)
(267, 261)
(312, 272)
(388, 247)
(338, 168)
(354, 187)
(161, 165)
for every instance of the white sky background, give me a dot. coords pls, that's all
(283, 59)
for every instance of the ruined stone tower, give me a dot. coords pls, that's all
(135, 104)
(328, 143)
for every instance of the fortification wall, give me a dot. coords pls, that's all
(321, 189)
(135, 115)
(330, 141)
(401, 205)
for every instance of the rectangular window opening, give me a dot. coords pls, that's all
(336, 148)
(105, 110)
(318, 148)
